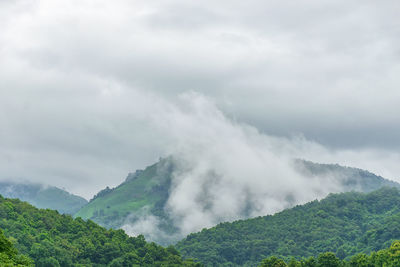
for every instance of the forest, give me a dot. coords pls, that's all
(46, 238)
(389, 257)
(345, 223)
(346, 229)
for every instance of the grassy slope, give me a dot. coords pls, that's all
(148, 191)
(145, 190)
(345, 223)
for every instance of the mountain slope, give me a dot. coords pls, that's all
(142, 190)
(51, 239)
(145, 193)
(350, 178)
(41, 196)
(346, 223)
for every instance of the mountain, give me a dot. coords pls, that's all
(42, 196)
(53, 239)
(345, 223)
(350, 178)
(143, 190)
(145, 193)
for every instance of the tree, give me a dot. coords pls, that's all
(294, 263)
(328, 259)
(273, 262)
(310, 262)
(359, 260)
(9, 255)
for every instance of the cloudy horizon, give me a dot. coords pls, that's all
(92, 90)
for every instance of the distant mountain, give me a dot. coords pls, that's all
(346, 223)
(42, 196)
(351, 179)
(146, 192)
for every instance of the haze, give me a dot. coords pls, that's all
(92, 90)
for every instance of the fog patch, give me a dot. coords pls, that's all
(225, 170)
(150, 226)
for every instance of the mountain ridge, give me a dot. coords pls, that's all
(145, 193)
(43, 196)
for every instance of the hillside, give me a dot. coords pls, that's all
(147, 189)
(346, 223)
(351, 179)
(146, 192)
(51, 239)
(41, 196)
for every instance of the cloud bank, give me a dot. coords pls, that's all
(81, 81)
(225, 170)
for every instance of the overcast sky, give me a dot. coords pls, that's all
(86, 86)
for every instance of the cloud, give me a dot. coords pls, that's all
(81, 80)
(225, 170)
(144, 223)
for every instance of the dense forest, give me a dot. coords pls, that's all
(389, 257)
(346, 224)
(52, 239)
(9, 256)
(342, 230)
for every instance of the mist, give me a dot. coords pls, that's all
(82, 82)
(225, 170)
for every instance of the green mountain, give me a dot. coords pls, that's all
(41, 196)
(346, 223)
(52, 239)
(142, 191)
(146, 192)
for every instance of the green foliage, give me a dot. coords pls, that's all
(384, 258)
(9, 255)
(273, 262)
(51, 239)
(142, 192)
(328, 259)
(347, 224)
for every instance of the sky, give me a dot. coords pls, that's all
(92, 90)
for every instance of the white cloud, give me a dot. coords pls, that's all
(226, 170)
(81, 81)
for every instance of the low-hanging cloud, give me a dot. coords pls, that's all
(88, 88)
(225, 170)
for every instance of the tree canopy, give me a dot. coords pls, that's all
(347, 224)
(389, 257)
(52, 239)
